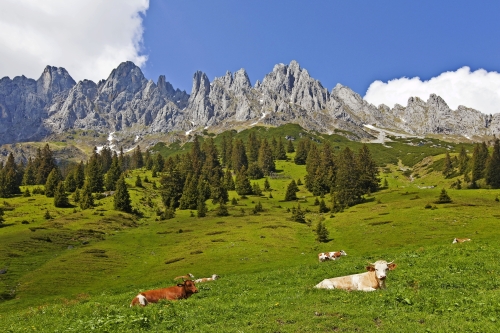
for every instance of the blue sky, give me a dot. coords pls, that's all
(348, 42)
(386, 51)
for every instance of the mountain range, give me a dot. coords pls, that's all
(128, 103)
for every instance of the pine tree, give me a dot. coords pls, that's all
(322, 207)
(76, 196)
(172, 184)
(463, 161)
(280, 150)
(242, 184)
(254, 171)
(302, 151)
(222, 210)
(121, 198)
(228, 180)
(95, 177)
(291, 191)
(45, 164)
(448, 166)
(322, 233)
(105, 157)
(52, 182)
(266, 158)
(196, 159)
(347, 189)
(29, 177)
(113, 174)
(60, 198)
(443, 197)
(138, 181)
(1, 216)
(298, 215)
(189, 198)
(86, 199)
(289, 147)
(313, 162)
(256, 189)
(239, 156)
(479, 159)
(137, 159)
(201, 207)
(148, 160)
(70, 182)
(367, 171)
(159, 163)
(267, 186)
(80, 175)
(253, 146)
(218, 191)
(493, 166)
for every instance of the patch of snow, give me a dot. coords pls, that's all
(189, 132)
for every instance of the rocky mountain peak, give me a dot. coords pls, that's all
(54, 80)
(126, 77)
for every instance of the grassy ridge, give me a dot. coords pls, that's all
(97, 260)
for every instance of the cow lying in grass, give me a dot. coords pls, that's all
(460, 240)
(188, 276)
(180, 291)
(213, 278)
(324, 256)
(368, 281)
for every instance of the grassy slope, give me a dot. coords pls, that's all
(267, 264)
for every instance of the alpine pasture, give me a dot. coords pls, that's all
(78, 270)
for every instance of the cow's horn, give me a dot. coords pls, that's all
(390, 262)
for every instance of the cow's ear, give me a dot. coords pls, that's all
(370, 268)
(180, 284)
(392, 266)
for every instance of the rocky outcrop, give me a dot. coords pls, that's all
(127, 102)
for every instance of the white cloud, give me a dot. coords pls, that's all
(87, 37)
(479, 90)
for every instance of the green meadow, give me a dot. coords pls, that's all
(78, 270)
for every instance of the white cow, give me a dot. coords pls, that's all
(460, 240)
(213, 278)
(324, 256)
(368, 281)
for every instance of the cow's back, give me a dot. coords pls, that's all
(170, 293)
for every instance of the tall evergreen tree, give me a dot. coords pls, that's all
(493, 166)
(52, 182)
(242, 183)
(367, 171)
(80, 175)
(291, 191)
(148, 160)
(113, 174)
(45, 164)
(321, 232)
(159, 163)
(197, 157)
(29, 177)
(479, 159)
(70, 182)
(253, 146)
(266, 158)
(106, 157)
(239, 157)
(189, 198)
(121, 198)
(280, 150)
(347, 188)
(289, 147)
(448, 166)
(95, 177)
(86, 199)
(218, 191)
(228, 180)
(463, 161)
(313, 162)
(137, 159)
(302, 151)
(60, 197)
(254, 171)
(172, 184)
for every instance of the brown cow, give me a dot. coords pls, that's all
(460, 240)
(180, 291)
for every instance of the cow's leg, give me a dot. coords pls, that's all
(367, 289)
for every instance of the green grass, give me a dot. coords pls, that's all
(97, 260)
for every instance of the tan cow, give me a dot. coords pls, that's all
(188, 276)
(324, 256)
(180, 291)
(212, 278)
(460, 240)
(368, 281)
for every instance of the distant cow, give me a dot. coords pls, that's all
(369, 281)
(460, 240)
(324, 256)
(213, 278)
(188, 276)
(180, 291)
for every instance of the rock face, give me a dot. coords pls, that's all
(126, 101)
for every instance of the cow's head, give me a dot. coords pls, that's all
(215, 277)
(342, 253)
(189, 287)
(380, 268)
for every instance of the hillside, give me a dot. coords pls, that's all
(80, 269)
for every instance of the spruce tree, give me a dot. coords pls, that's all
(347, 188)
(253, 146)
(29, 177)
(201, 207)
(95, 177)
(239, 156)
(218, 191)
(322, 207)
(242, 184)
(172, 184)
(113, 174)
(148, 160)
(463, 161)
(80, 175)
(321, 232)
(367, 171)
(479, 159)
(493, 166)
(254, 171)
(60, 198)
(267, 186)
(70, 182)
(313, 162)
(189, 198)
(105, 157)
(291, 191)
(121, 198)
(256, 189)
(443, 197)
(298, 215)
(86, 199)
(289, 147)
(137, 159)
(448, 166)
(159, 163)
(228, 180)
(138, 181)
(280, 150)
(222, 210)
(45, 164)
(302, 150)
(266, 158)
(52, 182)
